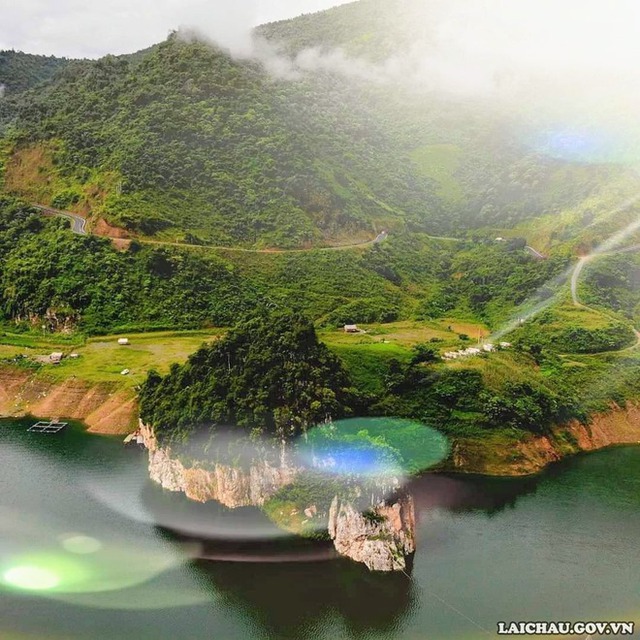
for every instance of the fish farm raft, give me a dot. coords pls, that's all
(48, 427)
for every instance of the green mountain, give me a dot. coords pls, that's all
(253, 186)
(21, 71)
(184, 142)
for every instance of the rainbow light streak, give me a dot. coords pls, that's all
(531, 308)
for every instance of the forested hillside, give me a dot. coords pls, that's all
(21, 71)
(248, 192)
(48, 274)
(373, 29)
(186, 143)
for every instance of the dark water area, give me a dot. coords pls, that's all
(82, 555)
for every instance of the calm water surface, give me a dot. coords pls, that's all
(81, 557)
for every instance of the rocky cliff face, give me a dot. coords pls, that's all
(231, 486)
(381, 537)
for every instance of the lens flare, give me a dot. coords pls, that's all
(373, 447)
(538, 303)
(580, 144)
(82, 545)
(47, 572)
(31, 578)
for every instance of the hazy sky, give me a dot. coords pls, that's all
(81, 28)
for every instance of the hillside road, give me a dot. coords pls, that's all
(78, 223)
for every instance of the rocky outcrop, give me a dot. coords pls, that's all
(381, 538)
(232, 486)
(55, 320)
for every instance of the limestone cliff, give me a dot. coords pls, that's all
(231, 486)
(380, 536)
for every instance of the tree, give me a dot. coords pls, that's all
(269, 375)
(424, 353)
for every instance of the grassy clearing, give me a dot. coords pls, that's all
(440, 162)
(103, 359)
(498, 368)
(407, 334)
(366, 355)
(585, 224)
(367, 363)
(33, 341)
(570, 315)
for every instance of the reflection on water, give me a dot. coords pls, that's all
(337, 599)
(470, 493)
(560, 546)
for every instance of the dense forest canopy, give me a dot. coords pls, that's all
(21, 71)
(270, 375)
(46, 272)
(49, 275)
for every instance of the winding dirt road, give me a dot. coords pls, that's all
(79, 227)
(78, 223)
(575, 280)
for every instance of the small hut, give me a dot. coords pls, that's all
(351, 328)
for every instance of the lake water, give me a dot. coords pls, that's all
(81, 557)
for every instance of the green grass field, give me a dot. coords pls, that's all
(440, 162)
(569, 315)
(102, 359)
(365, 355)
(443, 332)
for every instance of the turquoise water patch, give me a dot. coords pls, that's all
(374, 447)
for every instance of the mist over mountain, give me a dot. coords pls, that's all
(324, 129)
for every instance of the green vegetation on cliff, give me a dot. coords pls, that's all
(270, 375)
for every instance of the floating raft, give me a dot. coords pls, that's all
(48, 427)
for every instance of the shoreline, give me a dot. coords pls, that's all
(507, 455)
(110, 410)
(105, 408)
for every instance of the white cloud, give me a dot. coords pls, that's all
(76, 28)
(583, 51)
